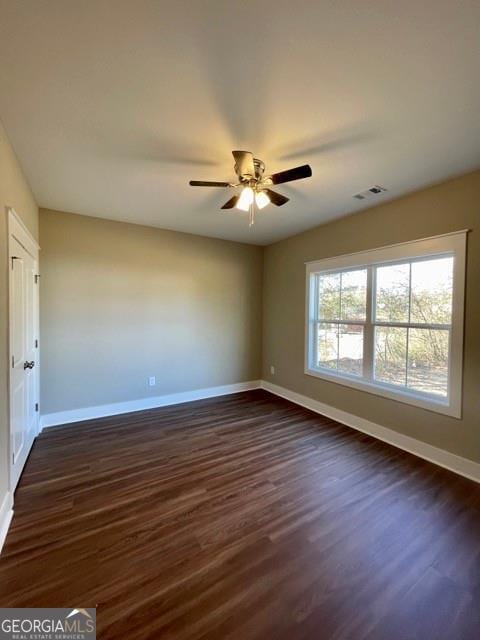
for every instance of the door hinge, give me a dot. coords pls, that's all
(36, 344)
(14, 258)
(13, 362)
(13, 457)
(36, 277)
(36, 406)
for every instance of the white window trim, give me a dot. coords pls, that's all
(453, 243)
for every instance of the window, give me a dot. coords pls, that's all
(390, 321)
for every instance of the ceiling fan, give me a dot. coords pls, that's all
(255, 186)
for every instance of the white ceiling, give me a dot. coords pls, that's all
(113, 105)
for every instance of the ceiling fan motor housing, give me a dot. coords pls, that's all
(248, 169)
(252, 180)
(259, 168)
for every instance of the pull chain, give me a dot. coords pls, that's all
(251, 214)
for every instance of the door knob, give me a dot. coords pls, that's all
(29, 365)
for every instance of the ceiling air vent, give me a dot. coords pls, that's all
(370, 192)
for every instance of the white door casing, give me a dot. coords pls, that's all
(24, 345)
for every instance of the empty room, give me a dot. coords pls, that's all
(239, 320)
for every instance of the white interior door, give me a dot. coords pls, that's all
(23, 355)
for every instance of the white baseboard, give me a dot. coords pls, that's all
(450, 461)
(6, 514)
(89, 413)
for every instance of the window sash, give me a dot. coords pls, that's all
(315, 347)
(430, 249)
(369, 352)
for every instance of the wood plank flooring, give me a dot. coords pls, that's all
(243, 517)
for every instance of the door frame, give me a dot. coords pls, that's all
(18, 231)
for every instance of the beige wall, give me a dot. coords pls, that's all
(14, 192)
(447, 207)
(122, 302)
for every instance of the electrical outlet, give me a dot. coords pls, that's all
(272, 369)
(151, 381)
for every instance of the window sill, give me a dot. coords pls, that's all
(386, 391)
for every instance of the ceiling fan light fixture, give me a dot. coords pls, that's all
(261, 199)
(246, 199)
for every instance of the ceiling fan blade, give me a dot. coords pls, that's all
(244, 166)
(231, 203)
(276, 198)
(304, 171)
(203, 183)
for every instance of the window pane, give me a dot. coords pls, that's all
(327, 345)
(354, 295)
(350, 349)
(390, 355)
(432, 285)
(329, 296)
(428, 361)
(392, 293)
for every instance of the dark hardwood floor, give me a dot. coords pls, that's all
(243, 517)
